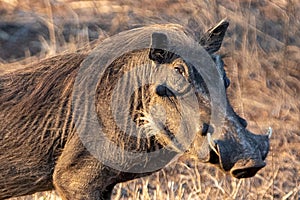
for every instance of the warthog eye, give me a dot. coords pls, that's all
(180, 69)
(226, 82)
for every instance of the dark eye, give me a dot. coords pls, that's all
(180, 69)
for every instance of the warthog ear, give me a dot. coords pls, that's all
(158, 52)
(212, 39)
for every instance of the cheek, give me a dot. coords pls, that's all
(178, 83)
(165, 108)
(158, 111)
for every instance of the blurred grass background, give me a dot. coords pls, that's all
(263, 62)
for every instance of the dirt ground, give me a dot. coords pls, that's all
(262, 49)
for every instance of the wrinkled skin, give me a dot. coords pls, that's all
(40, 148)
(233, 148)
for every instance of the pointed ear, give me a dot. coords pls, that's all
(212, 39)
(159, 44)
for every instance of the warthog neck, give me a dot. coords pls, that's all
(35, 120)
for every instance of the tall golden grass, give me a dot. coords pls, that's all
(262, 49)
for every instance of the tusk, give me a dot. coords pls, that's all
(212, 143)
(269, 132)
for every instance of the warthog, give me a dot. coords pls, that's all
(80, 130)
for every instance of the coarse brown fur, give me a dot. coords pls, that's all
(41, 147)
(35, 123)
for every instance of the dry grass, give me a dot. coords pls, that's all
(263, 63)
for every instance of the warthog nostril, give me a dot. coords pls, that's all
(247, 170)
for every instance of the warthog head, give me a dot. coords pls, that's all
(228, 143)
(154, 102)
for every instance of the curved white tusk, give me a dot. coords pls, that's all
(212, 143)
(269, 132)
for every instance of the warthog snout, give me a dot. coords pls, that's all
(239, 151)
(223, 139)
(248, 168)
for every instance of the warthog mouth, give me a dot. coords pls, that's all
(238, 163)
(246, 170)
(240, 169)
